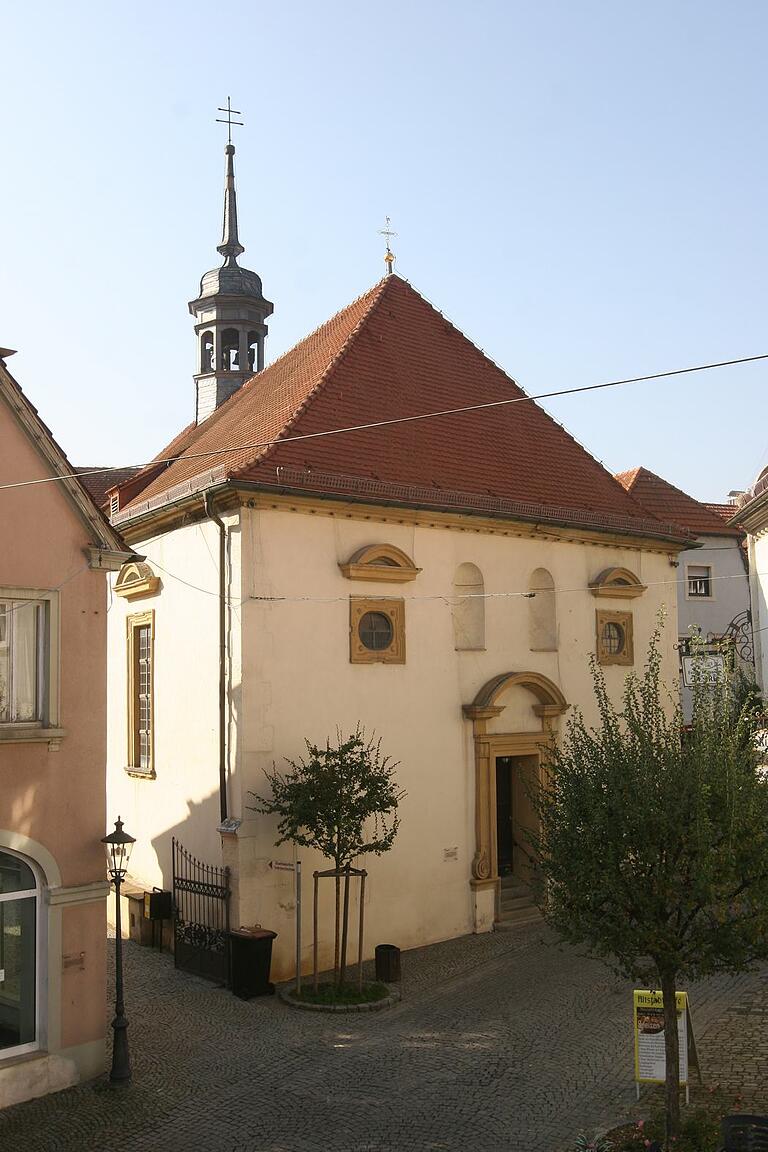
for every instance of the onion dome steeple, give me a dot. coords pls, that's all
(230, 310)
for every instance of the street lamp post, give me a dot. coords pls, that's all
(118, 847)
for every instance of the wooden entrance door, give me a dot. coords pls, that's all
(515, 814)
(504, 839)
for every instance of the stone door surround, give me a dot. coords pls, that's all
(548, 704)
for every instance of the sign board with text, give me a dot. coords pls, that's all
(650, 1056)
(704, 669)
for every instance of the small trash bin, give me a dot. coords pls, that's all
(387, 963)
(250, 957)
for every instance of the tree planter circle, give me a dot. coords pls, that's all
(393, 996)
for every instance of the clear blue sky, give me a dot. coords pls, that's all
(580, 187)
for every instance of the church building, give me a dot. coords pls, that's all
(318, 555)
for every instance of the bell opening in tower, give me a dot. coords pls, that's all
(230, 350)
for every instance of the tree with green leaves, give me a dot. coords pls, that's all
(653, 840)
(341, 800)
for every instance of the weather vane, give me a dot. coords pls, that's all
(230, 111)
(389, 256)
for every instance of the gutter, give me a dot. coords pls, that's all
(213, 516)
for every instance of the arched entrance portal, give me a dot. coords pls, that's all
(513, 716)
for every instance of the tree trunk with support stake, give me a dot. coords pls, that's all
(337, 931)
(672, 1057)
(344, 928)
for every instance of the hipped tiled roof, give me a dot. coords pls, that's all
(663, 500)
(391, 354)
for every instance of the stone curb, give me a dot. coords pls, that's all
(374, 1006)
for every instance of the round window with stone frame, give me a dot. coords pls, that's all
(613, 639)
(376, 631)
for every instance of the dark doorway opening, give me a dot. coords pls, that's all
(515, 815)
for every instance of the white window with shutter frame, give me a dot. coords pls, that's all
(699, 582)
(28, 663)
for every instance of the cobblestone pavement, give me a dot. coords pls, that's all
(501, 1043)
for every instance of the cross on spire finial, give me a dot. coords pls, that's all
(389, 256)
(230, 246)
(230, 111)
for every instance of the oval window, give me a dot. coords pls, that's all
(613, 639)
(375, 631)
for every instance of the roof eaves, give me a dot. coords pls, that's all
(105, 536)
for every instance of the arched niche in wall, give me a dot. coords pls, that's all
(542, 612)
(381, 562)
(617, 583)
(468, 608)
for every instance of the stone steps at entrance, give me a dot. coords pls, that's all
(516, 905)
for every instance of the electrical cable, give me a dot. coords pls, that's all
(447, 599)
(401, 420)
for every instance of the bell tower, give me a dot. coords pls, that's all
(230, 311)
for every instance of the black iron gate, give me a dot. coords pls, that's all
(201, 916)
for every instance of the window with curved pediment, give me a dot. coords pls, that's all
(618, 583)
(135, 580)
(468, 608)
(382, 562)
(542, 612)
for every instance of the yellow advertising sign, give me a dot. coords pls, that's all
(650, 1057)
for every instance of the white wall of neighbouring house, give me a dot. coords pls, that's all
(298, 681)
(758, 563)
(730, 591)
(182, 797)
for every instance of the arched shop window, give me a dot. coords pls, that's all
(19, 955)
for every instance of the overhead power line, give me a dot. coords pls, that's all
(429, 596)
(401, 420)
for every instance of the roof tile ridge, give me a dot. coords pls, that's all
(630, 493)
(634, 473)
(305, 339)
(498, 368)
(447, 320)
(245, 388)
(376, 293)
(687, 496)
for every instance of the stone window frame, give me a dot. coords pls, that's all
(133, 624)
(46, 728)
(626, 656)
(394, 610)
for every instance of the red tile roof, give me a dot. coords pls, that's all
(391, 354)
(724, 511)
(663, 500)
(102, 480)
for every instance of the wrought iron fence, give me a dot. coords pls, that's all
(201, 895)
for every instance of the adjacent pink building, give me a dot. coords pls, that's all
(55, 549)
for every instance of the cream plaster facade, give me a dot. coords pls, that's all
(52, 769)
(289, 676)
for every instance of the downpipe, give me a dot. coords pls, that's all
(216, 519)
